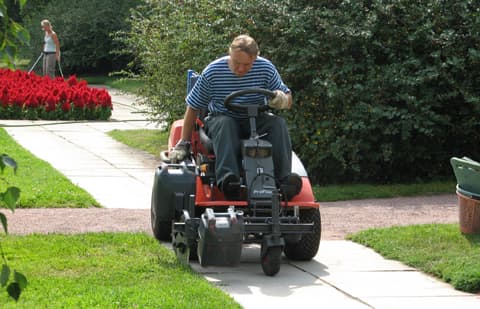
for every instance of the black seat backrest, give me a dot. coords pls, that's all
(192, 78)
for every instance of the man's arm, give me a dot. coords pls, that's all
(182, 148)
(188, 123)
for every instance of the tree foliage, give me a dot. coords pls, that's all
(384, 90)
(169, 37)
(12, 33)
(85, 29)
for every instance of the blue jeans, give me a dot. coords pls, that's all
(227, 132)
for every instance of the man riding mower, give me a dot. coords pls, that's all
(237, 157)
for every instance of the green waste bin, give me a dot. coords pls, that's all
(467, 172)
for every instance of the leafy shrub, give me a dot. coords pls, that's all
(17, 282)
(85, 31)
(169, 37)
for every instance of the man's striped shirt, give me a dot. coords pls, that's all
(217, 81)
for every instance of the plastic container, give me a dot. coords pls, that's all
(220, 238)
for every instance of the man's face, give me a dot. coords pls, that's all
(240, 62)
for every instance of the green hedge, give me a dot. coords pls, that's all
(387, 89)
(384, 90)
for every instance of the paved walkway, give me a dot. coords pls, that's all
(342, 275)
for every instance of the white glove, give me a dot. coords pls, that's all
(179, 153)
(279, 101)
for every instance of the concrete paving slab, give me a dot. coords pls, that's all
(290, 288)
(116, 192)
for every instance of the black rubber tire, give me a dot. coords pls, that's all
(161, 227)
(307, 247)
(271, 261)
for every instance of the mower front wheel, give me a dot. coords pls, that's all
(307, 247)
(271, 260)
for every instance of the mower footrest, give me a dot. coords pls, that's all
(298, 228)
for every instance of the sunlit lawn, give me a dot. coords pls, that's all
(105, 270)
(41, 185)
(437, 249)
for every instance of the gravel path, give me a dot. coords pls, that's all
(338, 218)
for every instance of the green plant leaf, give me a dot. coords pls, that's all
(8, 161)
(14, 290)
(20, 279)
(22, 3)
(4, 275)
(3, 219)
(11, 196)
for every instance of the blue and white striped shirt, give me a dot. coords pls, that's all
(217, 81)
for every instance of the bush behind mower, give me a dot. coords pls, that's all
(188, 208)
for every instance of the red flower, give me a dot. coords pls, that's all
(66, 107)
(29, 91)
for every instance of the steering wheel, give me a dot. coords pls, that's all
(239, 108)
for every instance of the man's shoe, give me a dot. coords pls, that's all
(231, 187)
(291, 186)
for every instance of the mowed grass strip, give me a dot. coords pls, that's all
(331, 193)
(41, 185)
(105, 270)
(151, 141)
(437, 249)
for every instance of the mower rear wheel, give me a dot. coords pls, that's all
(161, 226)
(307, 247)
(271, 261)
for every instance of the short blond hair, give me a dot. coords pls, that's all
(246, 44)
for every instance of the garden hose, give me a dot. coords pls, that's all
(33, 66)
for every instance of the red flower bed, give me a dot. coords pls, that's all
(29, 96)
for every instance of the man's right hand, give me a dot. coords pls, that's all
(280, 101)
(180, 152)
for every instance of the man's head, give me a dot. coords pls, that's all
(243, 51)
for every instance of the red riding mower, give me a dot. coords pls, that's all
(189, 209)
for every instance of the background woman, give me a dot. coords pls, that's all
(51, 49)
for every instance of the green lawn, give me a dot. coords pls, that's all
(105, 270)
(126, 84)
(437, 249)
(41, 185)
(364, 191)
